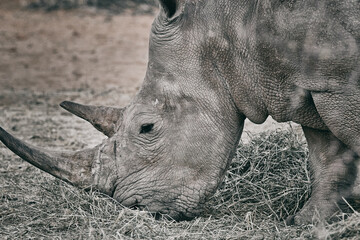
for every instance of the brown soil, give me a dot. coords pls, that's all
(72, 49)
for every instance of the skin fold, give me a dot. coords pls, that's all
(212, 64)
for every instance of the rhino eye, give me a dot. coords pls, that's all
(146, 128)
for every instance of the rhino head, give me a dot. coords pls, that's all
(168, 150)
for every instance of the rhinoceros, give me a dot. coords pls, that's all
(212, 64)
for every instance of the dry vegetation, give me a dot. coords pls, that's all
(267, 180)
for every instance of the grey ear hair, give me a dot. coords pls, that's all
(170, 7)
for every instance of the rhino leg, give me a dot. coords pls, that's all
(334, 171)
(340, 111)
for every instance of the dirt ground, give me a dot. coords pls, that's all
(72, 49)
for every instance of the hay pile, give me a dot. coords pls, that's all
(269, 175)
(267, 181)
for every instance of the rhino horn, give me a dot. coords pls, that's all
(104, 119)
(72, 167)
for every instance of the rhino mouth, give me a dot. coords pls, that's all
(155, 215)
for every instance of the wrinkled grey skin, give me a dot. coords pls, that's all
(212, 64)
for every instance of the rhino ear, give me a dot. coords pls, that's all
(104, 119)
(170, 6)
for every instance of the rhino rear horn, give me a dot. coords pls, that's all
(72, 167)
(104, 119)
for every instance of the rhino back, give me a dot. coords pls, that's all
(296, 48)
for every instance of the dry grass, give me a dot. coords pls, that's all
(269, 175)
(267, 181)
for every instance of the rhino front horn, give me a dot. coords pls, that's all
(72, 167)
(104, 119)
